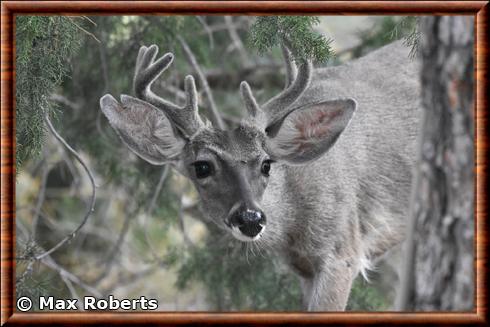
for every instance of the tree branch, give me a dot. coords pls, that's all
(65, 101)
(84, 30)
(48, 261)
(235, 38)
(151, 207)
(92, 201)
(188, 242)
(110, 258)
(207, 30)
(73, 291)
(40, 199)
(224, 27)
(257, 74)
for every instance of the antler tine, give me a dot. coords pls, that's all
(147, 71)
(256, 115)
(247, 96)
(283, 100)
(290, 66)
(296, 84)
(185, 118)
(276, 107)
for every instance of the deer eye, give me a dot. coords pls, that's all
(203, 169)
(266, 167)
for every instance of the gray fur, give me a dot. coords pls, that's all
(346, 204)
(144, 128)
(354, 204)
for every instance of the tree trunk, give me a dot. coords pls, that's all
(442, 250)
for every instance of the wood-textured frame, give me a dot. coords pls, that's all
(479, 9)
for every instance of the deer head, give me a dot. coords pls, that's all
(230, 168)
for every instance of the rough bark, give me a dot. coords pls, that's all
(443, 207)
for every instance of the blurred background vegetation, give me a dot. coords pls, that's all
(146, 236)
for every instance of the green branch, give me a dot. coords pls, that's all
(270, 31)
(44, 45)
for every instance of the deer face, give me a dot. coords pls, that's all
(229, 168)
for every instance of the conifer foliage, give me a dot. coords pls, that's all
(44, 45)
(297, 31)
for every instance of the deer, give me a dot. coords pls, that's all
(320, 173)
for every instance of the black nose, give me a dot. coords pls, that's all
(249, 221)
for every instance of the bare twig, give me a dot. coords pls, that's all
(90, 20)
(207, 29)
(73, 171)
(48, 261)
(235, 38)
(84, 17)
(92, 201)
(73, 291)
(187, 240)
(151, 207)
(40, 200)
(110, 258)
(65, 101)
(213, 110)
(84, 30)
(53, 225)
(224, 27)
(134, 277)
(158, 189)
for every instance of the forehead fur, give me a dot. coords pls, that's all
(242, 143)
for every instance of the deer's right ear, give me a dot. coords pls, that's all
(306, 133)
(143, 128)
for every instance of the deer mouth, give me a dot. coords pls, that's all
(247, 235)
(244, 234)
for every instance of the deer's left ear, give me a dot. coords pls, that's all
(306, 133)
(143, 128)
